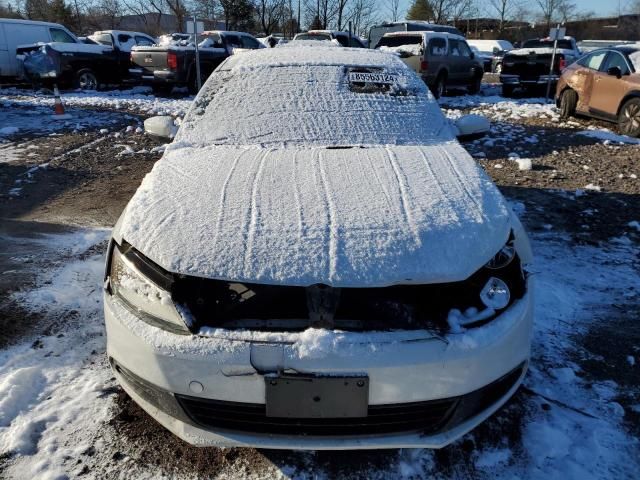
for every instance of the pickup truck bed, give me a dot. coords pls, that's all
(166, 67)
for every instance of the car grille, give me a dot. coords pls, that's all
(425, 417)
(248, 417)
(230, 305)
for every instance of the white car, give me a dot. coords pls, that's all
(317, 263)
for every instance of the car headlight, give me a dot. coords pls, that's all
(504, 256)
(149, 300)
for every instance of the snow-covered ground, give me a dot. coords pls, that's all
(137, 100)
(56, 390)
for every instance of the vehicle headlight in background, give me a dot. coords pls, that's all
(139, 293)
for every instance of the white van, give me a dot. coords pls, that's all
(14, 33)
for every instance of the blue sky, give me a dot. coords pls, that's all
(602, 8)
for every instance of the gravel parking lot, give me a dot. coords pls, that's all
(573, 183)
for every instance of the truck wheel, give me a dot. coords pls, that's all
(629, 118)
(507, 90)
(568, 103)
(86, 79)
(439, 87)
(475, 85)
(162, 90)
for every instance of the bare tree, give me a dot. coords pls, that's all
(393, 7)
(270, 14)
(363, 15)
(550, 10)
(504, 9)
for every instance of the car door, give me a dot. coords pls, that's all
(436, 56)
(608, 90)
(467, 62)
(455, 61)
(581, 79)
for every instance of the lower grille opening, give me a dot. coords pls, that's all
(427, 417)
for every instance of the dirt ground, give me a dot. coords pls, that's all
(87, 181)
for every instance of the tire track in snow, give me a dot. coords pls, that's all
(253, 216)
(403, 197)
(330, 208)
(223, 198)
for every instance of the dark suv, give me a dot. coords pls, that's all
(442, 59)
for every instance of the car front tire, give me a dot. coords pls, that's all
(629, 118)
(568, 103)
(86, 79)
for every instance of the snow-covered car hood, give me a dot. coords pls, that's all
(344, 217)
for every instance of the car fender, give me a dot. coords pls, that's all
(629, 95)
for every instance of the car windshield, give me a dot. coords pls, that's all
(544, 43)
(313, 36)
(400, 40)
(635, 59)
(315, 105)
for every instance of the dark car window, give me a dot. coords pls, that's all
(615, 59)
(313, 36)
(454, 48)
(144, 41)
(465, 51)
(397, 41)
(343, 40)
(61, 36)
(437, 47)
(248, 42)
(593, 60)
(543, 43)
(233, 41)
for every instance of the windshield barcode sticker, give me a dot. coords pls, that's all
(365, 77)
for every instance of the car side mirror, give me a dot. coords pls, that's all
(161, 126)
(614, 72)
(471, 127)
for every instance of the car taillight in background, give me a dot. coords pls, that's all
(562, 63)
(424, 66)
(172, 61)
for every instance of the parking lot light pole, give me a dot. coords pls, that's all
(195, 41)
(555, 32)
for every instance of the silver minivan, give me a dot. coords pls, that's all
(441, 59)
(14, 33)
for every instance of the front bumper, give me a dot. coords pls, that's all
(516, 80)
(159, 371)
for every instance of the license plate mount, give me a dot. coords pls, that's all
(314, 396)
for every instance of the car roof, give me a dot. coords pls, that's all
(227, 32)
(31, 22)
(424, 33)
(118, 32)
(292, 54)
